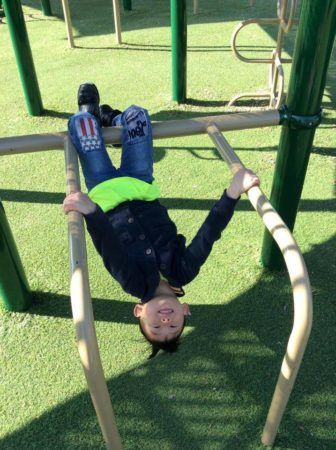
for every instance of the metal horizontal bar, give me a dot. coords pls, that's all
(161, 130)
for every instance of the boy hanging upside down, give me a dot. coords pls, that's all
(130, 229)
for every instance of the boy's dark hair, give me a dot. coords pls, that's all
(170, 346)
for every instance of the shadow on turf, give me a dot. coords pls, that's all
(57, 114)
(87, 23)
(126, 46)
(215, 392)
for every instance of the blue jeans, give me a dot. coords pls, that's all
(137, 146)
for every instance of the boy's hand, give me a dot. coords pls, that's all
(78, 202)
(242, 181)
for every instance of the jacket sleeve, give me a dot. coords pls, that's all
(115, 258)
(196, 253)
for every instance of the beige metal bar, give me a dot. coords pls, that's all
(81, 305)
(302, 296)
(286, 24)
(67, 19)
(245, 23)
(263, 94)
(161, 130)
(196, 6)
(117, 26)
(277, 78)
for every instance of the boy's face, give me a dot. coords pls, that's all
(162, 317)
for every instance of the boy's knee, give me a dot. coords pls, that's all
(136, 121)
(77, 120)
(85, 131)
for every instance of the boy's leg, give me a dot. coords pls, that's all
(86, 135)
(137, 144)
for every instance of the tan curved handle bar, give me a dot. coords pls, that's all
(81, 305)
(245, 23)
(80, 294)
(240, 26)
(302, 296)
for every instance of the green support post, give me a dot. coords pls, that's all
(313, 46)
(178, 14)
(15, 294)
(46, 8)
(127, 4)
(23, 55)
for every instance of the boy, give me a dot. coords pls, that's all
(129, 227)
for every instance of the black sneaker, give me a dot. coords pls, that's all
(107, 114)
(88, 99)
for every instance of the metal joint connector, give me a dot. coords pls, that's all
(297, 122)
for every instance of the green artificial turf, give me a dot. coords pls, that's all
(215, 392)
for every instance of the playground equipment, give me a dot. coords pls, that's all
(311, 56)
(79, 287)
(68, 24)
(276, 80)
(127, 4)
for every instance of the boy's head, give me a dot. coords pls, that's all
(161, 321)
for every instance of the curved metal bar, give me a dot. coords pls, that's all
(82, 311)
(302, 295)
(249, 95)
(245, 23)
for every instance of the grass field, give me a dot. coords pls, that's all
(215, 392)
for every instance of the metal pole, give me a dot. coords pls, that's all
(161, 130)
(314, 41)
(23, 55)
(127, 4)
(46, 8)
(116, 15)
(15, 293)
(81, 305)
(67, 20)
(179, 49)
(302, 295)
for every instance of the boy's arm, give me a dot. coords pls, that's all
(218, 218)
(107, 244)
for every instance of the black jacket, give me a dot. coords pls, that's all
(138, 241)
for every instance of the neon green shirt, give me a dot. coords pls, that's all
(111, 193)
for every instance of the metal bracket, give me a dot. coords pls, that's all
(297, 122)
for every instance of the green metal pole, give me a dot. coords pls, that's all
(46, 8)
(179, 49)
(313, 46)
(15, 294)
(127, 4)
(23, 55)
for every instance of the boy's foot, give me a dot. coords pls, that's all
(88, 99)
(107, 114)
